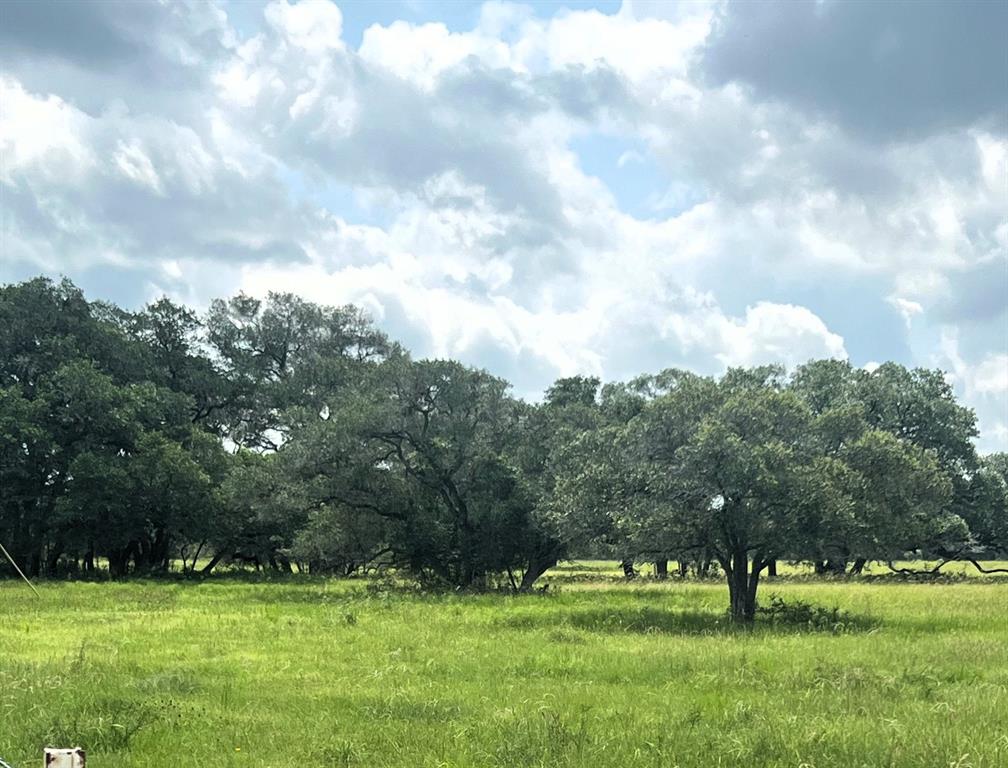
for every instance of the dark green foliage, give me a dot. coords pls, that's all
(753, 468)
(982, 502)
(425, 454)
(800, 614)
(273, 432)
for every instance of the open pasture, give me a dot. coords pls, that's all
(232, 672)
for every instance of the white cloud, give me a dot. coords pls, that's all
(40, 135)
(629, 157)
(988, 376)
(907, 308)
(435, 177)
(422, 52)
(641, 48)
(983, 383)
(137, 166)
(239, 81)
(314, 26)
(779, 333)
(991, 375)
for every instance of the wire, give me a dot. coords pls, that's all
(4, 550)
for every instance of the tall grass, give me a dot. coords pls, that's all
(300, 672)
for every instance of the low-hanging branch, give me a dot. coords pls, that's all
(936, 570)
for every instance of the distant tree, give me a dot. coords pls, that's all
(915, 406)
(280, 355)
(138, 508)
(740, 469)
(425, 451)
(340, 540)
(918, 406)
(102, 456)
(983, 505)
(63, 369)
(173, 337)
(277, 429)
(259, 517)
(570, 409)
(27, 493)
(607, 494)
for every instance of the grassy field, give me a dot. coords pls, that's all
(233, 672)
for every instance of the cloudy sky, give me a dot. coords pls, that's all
(540, 189)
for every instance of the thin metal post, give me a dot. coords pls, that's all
(20, 572)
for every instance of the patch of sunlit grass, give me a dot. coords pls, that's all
(232, 672)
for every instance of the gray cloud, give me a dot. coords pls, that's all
(892, 71)
(114, 51)
(396, 136)
(979, 295)
(445, 191)
(401, 136)
(92, 35)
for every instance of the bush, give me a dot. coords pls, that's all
(798, 613)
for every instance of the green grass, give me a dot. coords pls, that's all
(301, 672)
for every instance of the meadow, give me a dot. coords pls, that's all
(241, 671)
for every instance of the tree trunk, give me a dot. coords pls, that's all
(661, 569)
(52, 560)
(284, 563)
(754, 576)
(858, 566)
(683, 568)
(195, 557)
(742, 585)
(132, 553)
(772, 568)
(737, 590)
(160, 554)
(218, 556)
(703, 567)
(141, 554)
(628, 569)
(536, 568)
(119, 559)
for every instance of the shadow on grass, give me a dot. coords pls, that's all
(651, 621)
(656, 621)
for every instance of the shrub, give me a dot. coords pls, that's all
(801, 614)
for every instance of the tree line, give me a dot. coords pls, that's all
(277, 432)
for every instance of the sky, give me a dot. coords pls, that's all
(541, 189)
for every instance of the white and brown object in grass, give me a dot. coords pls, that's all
(64, 758)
